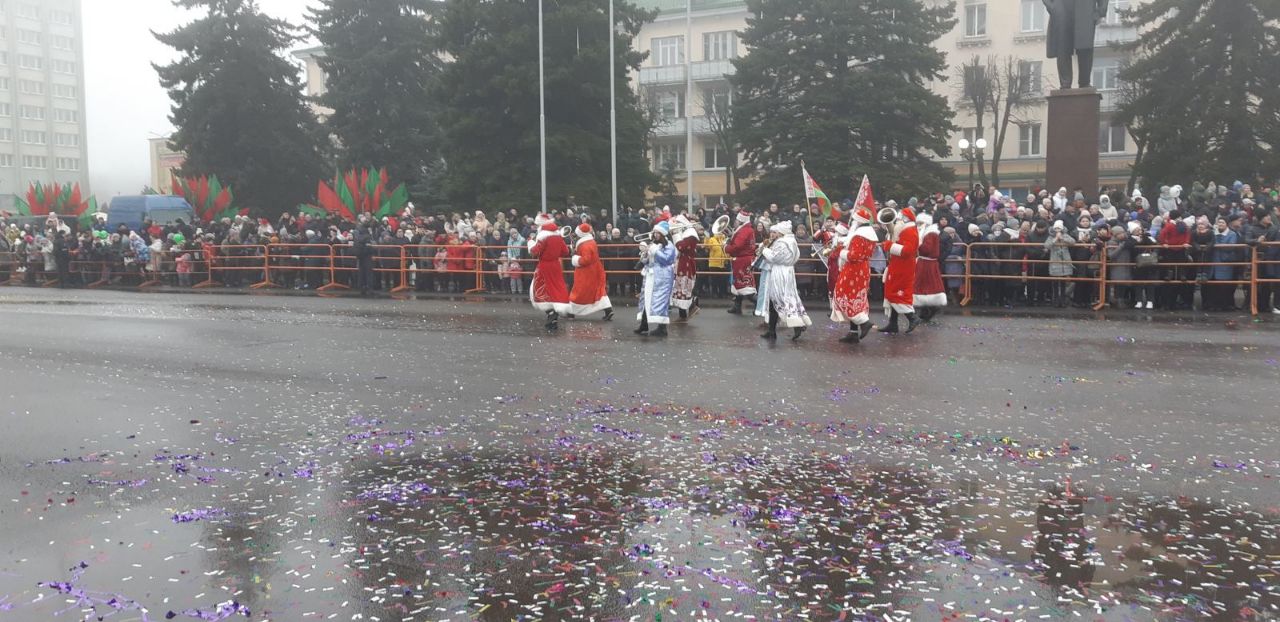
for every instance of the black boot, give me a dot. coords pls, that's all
(644, 326)
(796, 332)
(553, 320)
(736, 309)
(892, 327)
(865, 329)
(852, 337)
(684, 315)
(773, 325)
(660, 331)
(608, 314)
(912, 322)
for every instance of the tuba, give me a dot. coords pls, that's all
(721, 225)
(887, 216)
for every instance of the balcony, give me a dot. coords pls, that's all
(705, 71)
(666, 128)
(671, 6)
(1110, 99)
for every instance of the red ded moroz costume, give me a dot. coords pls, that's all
(590, 290)
(742, 248)
(900, 276)
(929, 290)
(849, 303)
(548, 292)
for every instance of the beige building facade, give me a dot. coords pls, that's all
(42, 100)
(165, 163)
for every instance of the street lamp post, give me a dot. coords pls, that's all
(972, 152)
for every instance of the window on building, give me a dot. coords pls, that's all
(715, 157)
(4, 84)
(61, 17)
(720, 45)
(27, 61)
(29, 11)
(718, 102)
(671, 105)
(974, 78)
(972, 134)
(670, 156)
(1033, 16)
(63, 66)
(63, 115)
(1031, 77)
(61, 42)
(35, 113)
(1111, 138)
(975, 18)
(31, 87)
(1029, 139)
(1114, 10)
(30, 36)
(1106, 77)
(4, 58)
(32, 137)
(6, 110)
(6, 160)
(668, 51)
(66, 140)
(6, 135)
(67, 164)
(30, 161)
(65, 91)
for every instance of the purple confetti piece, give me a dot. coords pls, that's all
(199, 515)
(223, 611)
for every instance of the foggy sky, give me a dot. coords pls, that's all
(126, 105)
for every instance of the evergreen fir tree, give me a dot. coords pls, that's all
(807, 91)
(1205, 90)
(380, 70)
(488, 102)
(238, 105)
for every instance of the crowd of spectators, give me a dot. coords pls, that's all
(1146, 242)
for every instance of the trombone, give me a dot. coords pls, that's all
(645, 238)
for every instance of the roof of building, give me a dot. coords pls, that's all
(672, 6)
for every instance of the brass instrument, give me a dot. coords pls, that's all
(566, 232)
(887, 216)
(721, 225)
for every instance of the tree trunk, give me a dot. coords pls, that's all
(1133, 168)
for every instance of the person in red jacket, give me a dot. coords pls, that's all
(900, 277)
(590, 288)
(742, 248)
(455, 262)
(548, 293)
(849, 298)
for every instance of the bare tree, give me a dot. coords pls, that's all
(1002, 90)
(720, 122)
(1015, 85)
(975, 92)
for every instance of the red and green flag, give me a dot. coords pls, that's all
(814, 193)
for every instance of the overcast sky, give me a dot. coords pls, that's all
(126, 105)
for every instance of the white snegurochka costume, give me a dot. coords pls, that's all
(780, 289)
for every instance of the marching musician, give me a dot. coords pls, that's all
(590, 288)
(659, 258)
(849, 303)
(742, 248)
(900, 276)
(686, 243)
(930, 294)
(780, 254)
(548, 292)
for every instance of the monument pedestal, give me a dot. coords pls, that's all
(1071, 149)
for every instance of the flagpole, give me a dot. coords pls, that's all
(542, 112)
(613, 116)
(688, 101)
(806, 198)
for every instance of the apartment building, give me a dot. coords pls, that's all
(42, 121)
(662, 84)
(1016, 29)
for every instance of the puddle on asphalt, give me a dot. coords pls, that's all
(652, 513)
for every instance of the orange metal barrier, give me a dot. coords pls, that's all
(273, 265)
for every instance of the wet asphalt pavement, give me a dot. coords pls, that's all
(211, 457)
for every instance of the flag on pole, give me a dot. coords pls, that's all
(813, 191)
(865, 198)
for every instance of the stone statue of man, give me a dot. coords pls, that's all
(1072, 24)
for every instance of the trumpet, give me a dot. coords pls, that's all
(566, 233)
